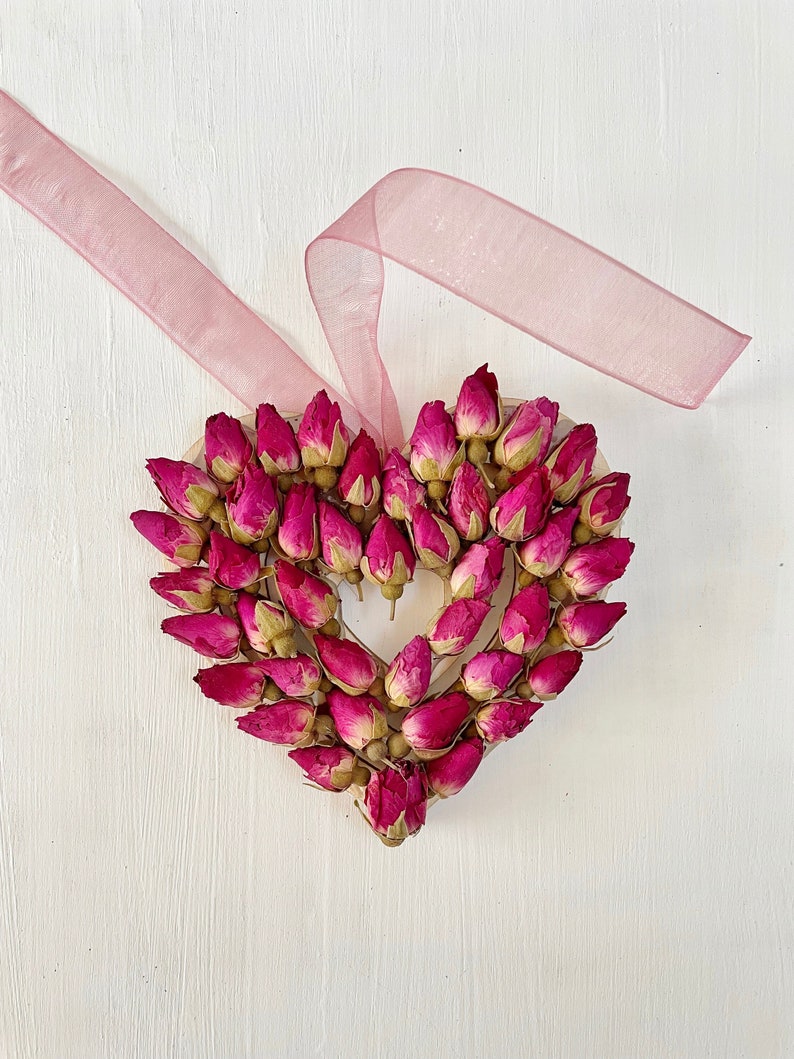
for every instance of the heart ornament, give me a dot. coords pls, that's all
(495, 529)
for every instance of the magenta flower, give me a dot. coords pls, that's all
(395, 801)
(359, 719)
(435, 451)
(527, 437)
(525, 621)
(449, 774)
(267, 626)
(298, 535)
(584, 624)
(490, 673)
(433, 725)
(401, 491)
(346, 663)
(571, 462)
(468, 502)
(452, 628)
(604, 503)
(276, 446)
(310, 600)
(237, 684)
(227, 450)
(340, 539)
(544, 554)
(479, 572)
(298, 677)
(548, 677)
(588, 570)
(522, 511)
(478, 412)
(408, 677)
(187, 490)
(505, 718)
(388, 558)
(288, 723)
(252, 505)
(179, 539)
(211, 635)
(188, 590)
(322, 436)
(436, 542)
(359, 482)
(330, 767)
(231, 564)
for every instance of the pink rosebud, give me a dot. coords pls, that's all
(478, 412)
(395, 801)
(449, 774)
(359, 482)
(479, 571)
(433, 725)
(525, 621)
(522, 511)
(544, 554)
(342, 546)
(189, 590)
(588, 570)
(604, 503)
(401, 491)
(179, 539)
(322, 436)
(276, 447)
(252, 506)
(468, 502)
(505, 718)
(571, 462)
(359, 719)
(346, 663)
(237, 684)
(289, 723)
(584, 624)
(526, 438)
(435, 451)
(490, 673)
(268, 628)
(436, 542)
(187, 490)
(298, 535)
(227, 450)
(310, 600)
(452, 628)
(388, 558)
(408, 677)
(299, 676)
(548, 677)
(330, 767)
(211, 635)
(231, 564)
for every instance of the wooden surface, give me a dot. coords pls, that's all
(615, 884)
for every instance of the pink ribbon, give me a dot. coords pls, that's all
(496, 255)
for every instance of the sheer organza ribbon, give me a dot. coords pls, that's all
(494, 254)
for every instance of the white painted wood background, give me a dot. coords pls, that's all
(615, 884)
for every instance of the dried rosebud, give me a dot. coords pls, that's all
(298, 535)
(525, 621)
(330, 767)
(187, 490)
(433, 725)
(359, 719)
(452, 628)
(299, 676)
(551, 675)
(436, 542)
(478, 412)
(340, 539)
(267, 626)
(288, 723)
(211, 635)
(526, 438)
(179, 539)
(276, 446)
(522, 511)
(359, 481)
(435, 451)
(188, 590)
(322, 436)
(401, 491)
(347, 664)
(505, 718)
(252, 506)
(544, 554)
(479, 571)
(571, 462)
(309, 599)
(237, 684)
(449, 774)
(604, 503)
(584, 624)
(408, 677)
(388, 558)
(227, 450)
(468, 502)
(231, 564)
(490, 673)
(588, 570)
(395, 801)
